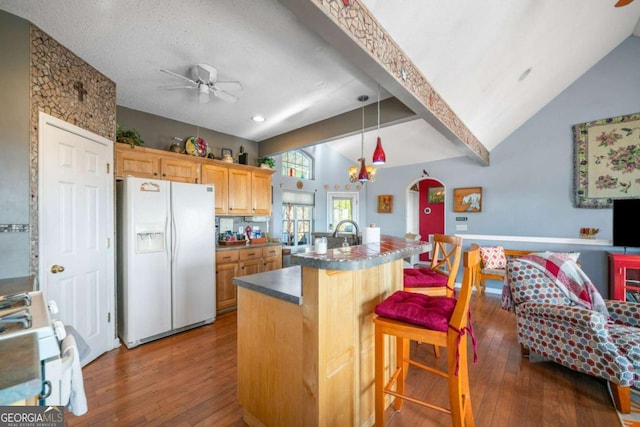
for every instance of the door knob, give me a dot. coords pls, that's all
(57, 269)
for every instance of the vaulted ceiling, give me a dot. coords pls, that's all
(495, 63)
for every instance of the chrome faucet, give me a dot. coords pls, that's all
(357, 233)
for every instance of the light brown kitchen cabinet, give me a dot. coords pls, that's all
(136, 162)
(249, 192)
(261, 193)
(240, 192)
(226, 270)
(149, 163)
(219, 177)
(271, 258)
(241, 262)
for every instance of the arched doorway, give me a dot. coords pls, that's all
(425, 209)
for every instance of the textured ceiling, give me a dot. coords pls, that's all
(473, 54)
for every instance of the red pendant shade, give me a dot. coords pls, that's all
(379, 158)
(363, 175)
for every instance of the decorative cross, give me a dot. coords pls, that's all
(81, 90)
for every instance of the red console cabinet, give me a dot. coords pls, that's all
(624, 276)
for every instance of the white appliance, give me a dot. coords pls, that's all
(166, 258)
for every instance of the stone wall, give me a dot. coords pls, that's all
(66, 87)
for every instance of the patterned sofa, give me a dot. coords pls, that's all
(561, 316)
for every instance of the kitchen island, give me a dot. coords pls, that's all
(305, 335)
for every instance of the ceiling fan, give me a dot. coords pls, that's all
(204, 78)
(621, 3)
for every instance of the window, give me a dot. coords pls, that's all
(342, 206)
(297, 218)
(297, 164)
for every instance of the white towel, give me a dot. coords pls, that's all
(77, 400)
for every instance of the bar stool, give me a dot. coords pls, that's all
(440, 277)
(441, 321)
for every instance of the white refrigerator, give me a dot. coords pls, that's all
(166, 258)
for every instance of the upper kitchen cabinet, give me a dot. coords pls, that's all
(240, 190)
(218, 176)
(150, 163)
(261, 193)
(240, 202)
(250, 192)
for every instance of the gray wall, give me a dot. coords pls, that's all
(158, 132)
(14, 143)
(528, 188)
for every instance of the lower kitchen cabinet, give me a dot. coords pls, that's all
(241, 262)
(271, 258)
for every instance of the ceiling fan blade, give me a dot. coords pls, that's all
(171, 73)
(621, 3)
(225, 96)
(179, 87)
(230, 85)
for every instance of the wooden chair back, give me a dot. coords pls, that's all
(446, 254)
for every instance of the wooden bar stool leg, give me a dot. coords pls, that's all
(379, 381)
(459, 391)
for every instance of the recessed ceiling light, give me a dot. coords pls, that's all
(525, 74)
(257, 118)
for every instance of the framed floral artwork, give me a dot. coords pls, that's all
(606, 161)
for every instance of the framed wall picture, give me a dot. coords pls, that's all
(467, 199)
(606, 162)
(435, 195)
(385, 203)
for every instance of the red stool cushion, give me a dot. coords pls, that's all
(431, 312)
(422, 278)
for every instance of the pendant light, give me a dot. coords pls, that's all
(379, 157)
(363, 175)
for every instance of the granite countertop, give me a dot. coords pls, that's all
(222, 248)
(362, 257)
(20, 368)
(284, 283)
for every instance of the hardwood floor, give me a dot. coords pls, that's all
(189, 380)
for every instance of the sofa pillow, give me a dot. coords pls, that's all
(493, 257)
(423, 310)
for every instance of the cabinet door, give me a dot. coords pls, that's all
(249, 266)
(226, 297)
(624, 277)
(261, 191)
(219, 177)
(240, 192)
(136, 163)
(271, 263)
(179, 170)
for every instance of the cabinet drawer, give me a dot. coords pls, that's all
(226, 257)
(254, 253)
(271, 251)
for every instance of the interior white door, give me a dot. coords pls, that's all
(76, 229)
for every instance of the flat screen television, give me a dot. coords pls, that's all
(626, 223)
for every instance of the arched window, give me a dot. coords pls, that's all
(297, 164)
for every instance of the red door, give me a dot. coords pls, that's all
(431, 215)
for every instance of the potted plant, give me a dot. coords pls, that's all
(266, 162)
(131, 137)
